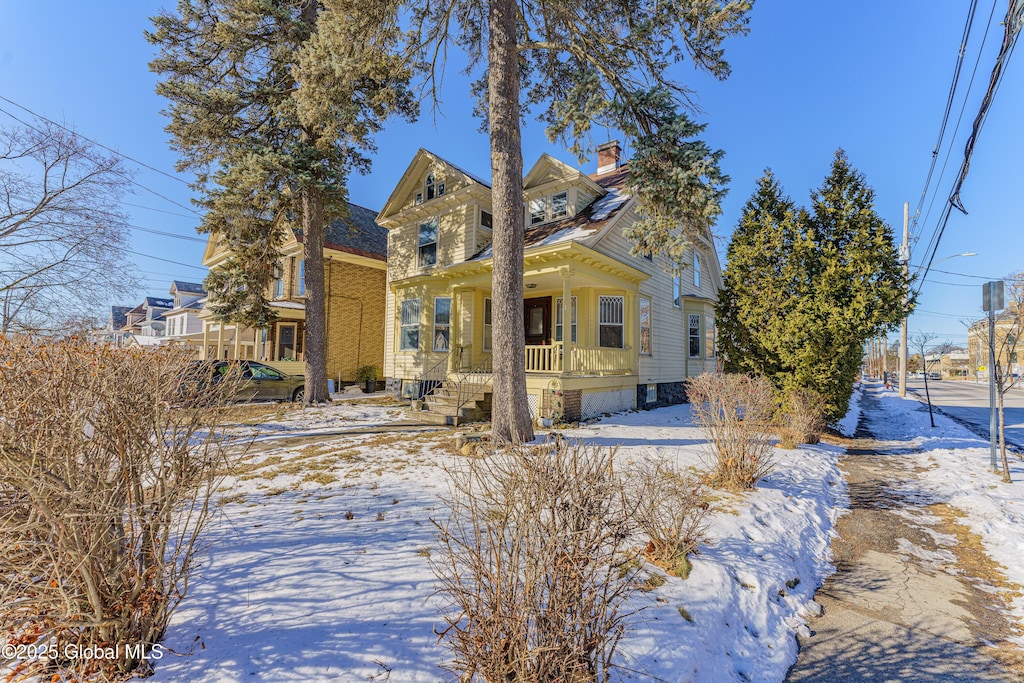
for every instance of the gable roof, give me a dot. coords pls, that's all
(118, 316)
(357, 234)
(548, 168)
(586, 225)
(413, 171)
(187, 287)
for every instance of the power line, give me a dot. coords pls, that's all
(98, 144)
(124, 176)
(165, 260)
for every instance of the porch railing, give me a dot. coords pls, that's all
(587, 360)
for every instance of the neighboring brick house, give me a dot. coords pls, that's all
(355, 269)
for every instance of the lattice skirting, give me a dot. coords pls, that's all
(601, 402)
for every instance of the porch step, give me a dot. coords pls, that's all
(442, 405)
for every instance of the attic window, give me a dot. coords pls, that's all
(486, 220)
(419, 197)
(430, 188)
(560, 205)
(440, 189)
(538, 210)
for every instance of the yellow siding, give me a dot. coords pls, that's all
(355, 323)
(453, 243)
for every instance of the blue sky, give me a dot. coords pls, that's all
(871, 77)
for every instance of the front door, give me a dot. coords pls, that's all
(537, 319)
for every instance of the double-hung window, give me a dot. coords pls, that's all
(278, 282)
(302, 278)
(487, 324)
(694, 320)
(709, 336)
(558, 319)
(442, 323)
(676, 291)
(409, 334)
(428, 243)
(696, 269)
(559, 205)
(610, 326)
(645, 325)
(538, 210)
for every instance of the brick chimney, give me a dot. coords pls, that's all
(608, 156)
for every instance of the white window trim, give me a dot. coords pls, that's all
(420, 244)
(574, 314)
(652, 393)
(551, 205)
(622, 323)
(677, 291)
(401, 327)
(690, 335)
(650, 326)
(483, 342)
(447, 327)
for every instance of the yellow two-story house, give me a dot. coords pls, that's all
(605, 331)
(355, 263)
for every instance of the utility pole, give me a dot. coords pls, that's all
(905, 257)
(992, 293)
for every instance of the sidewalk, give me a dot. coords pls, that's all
(904, 604)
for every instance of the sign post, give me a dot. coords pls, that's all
(992, 301)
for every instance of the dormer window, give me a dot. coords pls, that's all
(538, 210)
(553, 207)
(486, 220)
(559, 205)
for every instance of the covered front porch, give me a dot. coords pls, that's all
(279, 345)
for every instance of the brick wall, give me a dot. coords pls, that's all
(355, 325)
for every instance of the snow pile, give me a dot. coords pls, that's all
(318, 569)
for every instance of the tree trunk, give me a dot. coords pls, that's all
(315, 343)
(510, 420)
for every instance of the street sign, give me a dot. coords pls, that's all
(992, 296)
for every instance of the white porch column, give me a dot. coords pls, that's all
(566, 272)
(632, 323)
(220, 339)
(454, 329)
(238, 341)
(206, 340)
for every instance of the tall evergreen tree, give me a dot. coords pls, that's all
(584, 62)
(272, 105)
(805, 291)
(763, 280)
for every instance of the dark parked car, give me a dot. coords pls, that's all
(256, 381)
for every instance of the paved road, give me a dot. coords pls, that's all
(969, 402)
(901, 606)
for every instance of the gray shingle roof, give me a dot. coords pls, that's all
(156, 302)
(357, 234)
(118, 316)
(188, 287)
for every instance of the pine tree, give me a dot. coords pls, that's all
(805, 291)
(584, 62)
(272, 105)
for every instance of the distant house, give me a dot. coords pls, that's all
(183, 324)
(111, 333)
(1008, 328)
(146, 319)
(355, 256)
(605, 330)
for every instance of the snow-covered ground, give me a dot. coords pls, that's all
(956, 471)
(317, 567)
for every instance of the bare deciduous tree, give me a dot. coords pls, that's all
(535, 564)
(104, 493)
(62, 233)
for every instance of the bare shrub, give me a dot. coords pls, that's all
(533, 560)
(736, 413)
(801, 417)
(671, 507)
(103, 494)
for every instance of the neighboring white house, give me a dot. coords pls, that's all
(183, 321)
